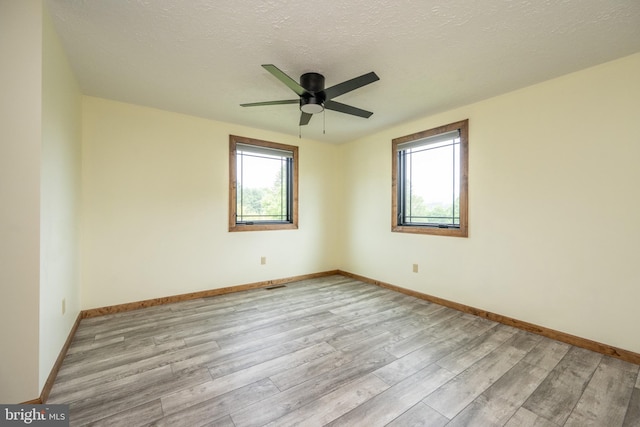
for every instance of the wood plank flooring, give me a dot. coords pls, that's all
(338, 352)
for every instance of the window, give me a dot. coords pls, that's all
(263, 185)
(430, 183)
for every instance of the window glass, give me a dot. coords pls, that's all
(263, 188)
(430, 181)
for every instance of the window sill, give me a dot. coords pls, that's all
(262, 227)
(435, 231)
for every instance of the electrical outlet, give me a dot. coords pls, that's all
(415, 268)
(263, 260)
(64, 305)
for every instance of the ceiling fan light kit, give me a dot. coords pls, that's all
(314, 98)
(311, 105)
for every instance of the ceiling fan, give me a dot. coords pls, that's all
(314, 98)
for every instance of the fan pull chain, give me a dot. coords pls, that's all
(324, 120)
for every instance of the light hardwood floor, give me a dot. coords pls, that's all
(333, 351)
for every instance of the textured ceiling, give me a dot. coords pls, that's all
(203, 57)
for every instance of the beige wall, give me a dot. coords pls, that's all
(59, 200)
(554, 214)
(20, 136)
(39, 188)
(155, 202)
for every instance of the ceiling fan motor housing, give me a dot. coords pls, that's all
(312, 100)
(312, 82)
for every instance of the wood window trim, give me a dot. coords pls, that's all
(463, 230)
(233, 140)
